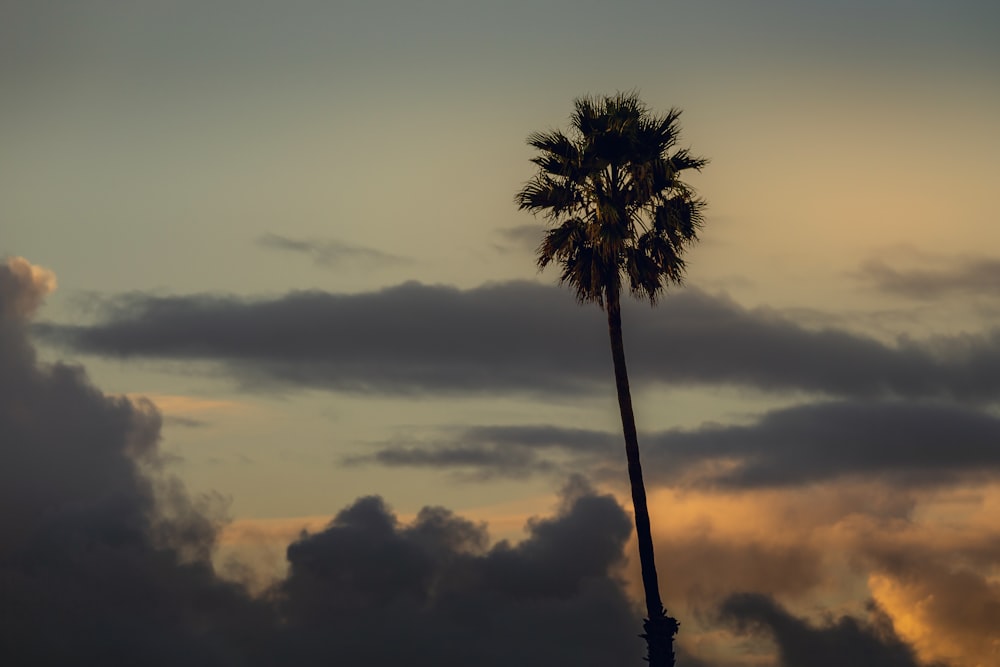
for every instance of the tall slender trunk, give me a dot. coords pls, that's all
(659, 628)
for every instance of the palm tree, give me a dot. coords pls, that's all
(620, 213)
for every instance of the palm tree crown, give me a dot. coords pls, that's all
(613, 190)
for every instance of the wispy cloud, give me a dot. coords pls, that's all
(331, 253)
(187, 411)
(968, 276)
(520, 238)
(500, 451)
(910, 445)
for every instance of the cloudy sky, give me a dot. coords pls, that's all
(263, 272)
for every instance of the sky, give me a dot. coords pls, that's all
(275, 351)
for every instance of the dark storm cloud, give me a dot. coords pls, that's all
(525, 337)
(329, 253)
(106, 561)
(102, 560)
(972, 276)
(407, 338)
(909, 444)
(846, 641)
(432, 592)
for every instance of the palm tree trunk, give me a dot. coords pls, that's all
(659, 628)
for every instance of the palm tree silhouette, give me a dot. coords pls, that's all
(612, 191)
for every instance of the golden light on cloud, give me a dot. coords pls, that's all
(280, 531)
(928, 558)
(252, 551)
(948, 616)
(30, 284)
(180, 405)
(507, 520)
(937, 576)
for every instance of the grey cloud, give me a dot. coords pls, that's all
(486, 463)
(103, 560)
(106, 560)
(402, 339)
(187, 422)
(846, 641)
(499, 451)
(909, 444)
(443, 596)
(979, 276)
(522, 237)
(330, 253)
(525, 337)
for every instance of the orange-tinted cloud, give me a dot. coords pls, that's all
(928, 559)
(24, 286)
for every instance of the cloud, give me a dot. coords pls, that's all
(330, 253)
(798, 544)
(500, 451)
(485, 462)
(186, 422)
(846, 641)
(907, 444)
(521, 238)
(974, 276)
(66, 445)
(104, 559)
(941, 588)
(444, 596)
(187, 411)
(927, 559)
(948, 614)
(709, 567)
(97, 546)
(100, 548)
(525, 337)
(23, 286)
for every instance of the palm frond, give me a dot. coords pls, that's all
(612, 189)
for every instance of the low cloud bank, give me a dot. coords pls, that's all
(908, 444)
(106, 560)
(524, 337)
(845, 641)
(975, 276)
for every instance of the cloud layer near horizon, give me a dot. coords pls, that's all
(916, 444)
(99, 543)
(106, 560)
(524, 337)
(103, 551)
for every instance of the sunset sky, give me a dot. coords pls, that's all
(291, 227)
